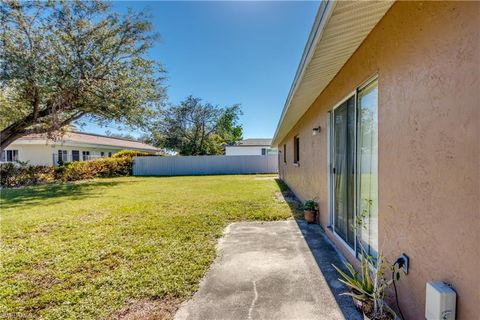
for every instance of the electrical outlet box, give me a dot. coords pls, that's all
(440, 302)
(406, 263)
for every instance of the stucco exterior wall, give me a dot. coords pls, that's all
(427, 59)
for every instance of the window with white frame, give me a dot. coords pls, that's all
(62, 155)
(85, 155)
(11, 155)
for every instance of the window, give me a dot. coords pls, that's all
(75, 155)
(85, 155)
(11, 155)
(296, 149)
(284, 153)
(264, 151)
(109, 154)
(62, 155)
(102, 154)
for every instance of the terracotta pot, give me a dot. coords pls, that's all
(309, 215)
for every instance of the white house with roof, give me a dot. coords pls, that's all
(37, 149)
(251, 147)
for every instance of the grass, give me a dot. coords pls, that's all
(99, 249)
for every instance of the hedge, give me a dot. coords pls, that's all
(16, 175)
(131, 154)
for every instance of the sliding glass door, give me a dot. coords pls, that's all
(367, 168)
(354, 160)
(343, 170)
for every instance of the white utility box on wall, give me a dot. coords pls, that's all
(440, 301)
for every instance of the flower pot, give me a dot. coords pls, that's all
(309, 215)
(386, 309)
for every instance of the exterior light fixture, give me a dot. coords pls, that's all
(316, 130)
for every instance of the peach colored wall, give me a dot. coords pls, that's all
(427, 59)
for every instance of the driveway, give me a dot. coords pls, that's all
(271, 270)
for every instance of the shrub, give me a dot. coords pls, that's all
(103, 167)
(17, 174)
(131, 154)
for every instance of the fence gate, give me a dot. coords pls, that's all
(200, 165)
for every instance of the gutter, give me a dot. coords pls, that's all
(321, 19)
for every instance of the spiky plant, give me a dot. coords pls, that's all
(361, 283)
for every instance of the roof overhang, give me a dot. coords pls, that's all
(69, 143)
(338, 30)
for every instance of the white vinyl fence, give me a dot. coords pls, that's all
(198, 165)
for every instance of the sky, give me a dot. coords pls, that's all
(228, 52)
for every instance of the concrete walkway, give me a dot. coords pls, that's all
(271, 270)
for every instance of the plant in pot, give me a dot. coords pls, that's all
(368, 288)
(310, 208)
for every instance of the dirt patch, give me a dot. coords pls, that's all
(148, 310)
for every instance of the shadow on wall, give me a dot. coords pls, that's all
(324, 252)
(35, 195)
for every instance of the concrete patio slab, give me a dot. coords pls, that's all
(271, 270)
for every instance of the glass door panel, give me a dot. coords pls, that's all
(343, 170)
(367, 169)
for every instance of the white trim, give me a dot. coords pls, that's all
(345, 98)
(362, 17)
(367, 82)
(344, 243)
(323, 14)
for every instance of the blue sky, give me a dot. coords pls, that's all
(229, 52)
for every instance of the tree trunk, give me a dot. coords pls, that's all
(6, 138)
(18, 129)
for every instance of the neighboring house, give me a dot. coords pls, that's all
(251, 147)
(382, 120)
(73, 146)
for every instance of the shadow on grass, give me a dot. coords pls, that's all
(290, 199)
(34, 195)
(324, 253)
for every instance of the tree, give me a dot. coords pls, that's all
(62, 60)
(120, 135)
(196, 128)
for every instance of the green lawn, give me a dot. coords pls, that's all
(116, 247)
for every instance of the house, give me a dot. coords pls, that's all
(37, 149)
(251, 147)
(383, 121)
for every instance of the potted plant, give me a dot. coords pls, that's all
(310, 208)
(368, 288)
